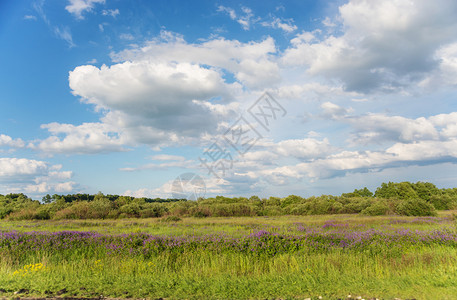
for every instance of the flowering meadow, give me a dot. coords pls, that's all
(283, 257)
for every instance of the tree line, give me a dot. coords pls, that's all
(404, 198)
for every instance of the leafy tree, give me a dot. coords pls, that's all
(391, 190)
(365, 192)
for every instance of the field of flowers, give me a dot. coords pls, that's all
(232, 258)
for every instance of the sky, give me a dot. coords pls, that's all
(235, 98)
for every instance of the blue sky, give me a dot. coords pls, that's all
(124, 96)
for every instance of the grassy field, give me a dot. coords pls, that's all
(288, 257)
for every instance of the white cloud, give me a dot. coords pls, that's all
(162, 94)
(378, 128)
(126, 36)
(230, 11)
(83, 139)
(162, 166)
(165, 157)
(61, 32)
(78, 7)
(333, 111)
(167, 161)
(30, 17)
(308, 148)
(251, 63)
(10, 167)
(384, 45)
(446, 123)
(65, 34)
(246, 19)
(277, 23)
(342, 163)
(33, 176)
(7, 141)
(110, 12)
(446, 73)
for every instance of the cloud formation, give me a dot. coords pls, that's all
(383, 45)
(78, 7)
(33, 176)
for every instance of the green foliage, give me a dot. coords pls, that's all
(365, 192)
(378, 208)
(389, 198)
(415, 207)
(391, 190)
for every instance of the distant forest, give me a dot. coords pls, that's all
(404, 198)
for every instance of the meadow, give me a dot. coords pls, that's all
(269, 257)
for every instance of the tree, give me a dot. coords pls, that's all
(391, 190)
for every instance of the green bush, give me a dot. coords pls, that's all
(100, 208)
(378, 208)
(200, 213)
(130, 210)
(5, 211)
(296, 209)
(442, 202)
(355, 205)
(78, 210)
(153, 210)
(415, 207)
(230, 210)
(271, 211)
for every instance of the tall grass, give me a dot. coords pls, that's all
(388, 258)
(423, 274)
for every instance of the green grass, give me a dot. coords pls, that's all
(420, 272)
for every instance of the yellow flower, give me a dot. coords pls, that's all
(27, 269)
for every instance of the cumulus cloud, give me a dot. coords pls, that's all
(308, 148)
(33, 176)
(87, 138)
(7, 141)
(379, 128)
(166, 92)
(333, 111)
(344, 162)
(384, 45)
(78, 7)
(253, 63)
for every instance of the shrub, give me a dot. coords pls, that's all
(200, 214)
(378, 208)
(355, 205)
(153, 210)
(271, 211)
(5, 211)
(78, 210)
(130, 210)
(415, 207)
(24, 214)
(100, 208)
(442, 202)
(231, 210)
(43, 213)
(296, 209)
